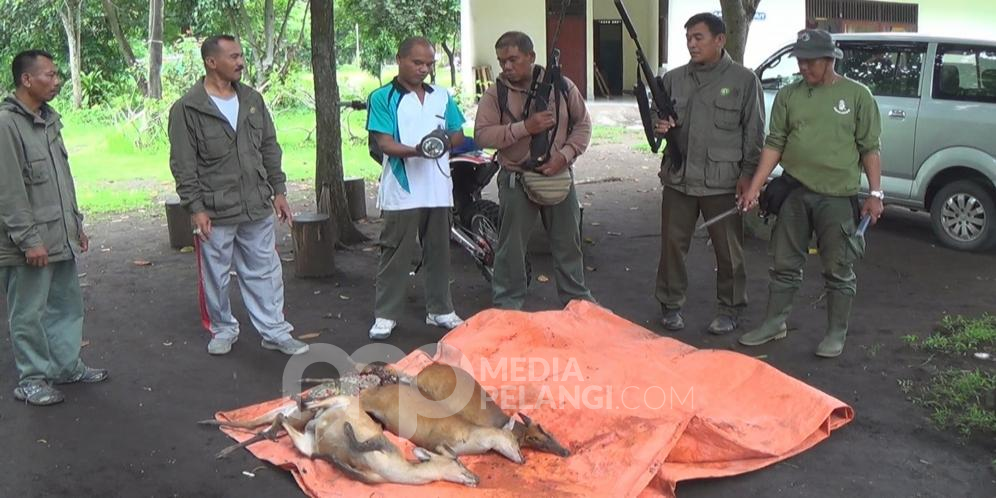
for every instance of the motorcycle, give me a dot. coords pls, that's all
(476, 220)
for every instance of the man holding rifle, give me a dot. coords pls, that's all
(504, 122)
(720, 130)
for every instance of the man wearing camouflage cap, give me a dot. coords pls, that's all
(824, 130)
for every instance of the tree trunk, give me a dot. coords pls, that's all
(269, 19)
(70, 12)
(328, 168)
(156, 48)
(738, 14)
(111, 14)
(449, 55)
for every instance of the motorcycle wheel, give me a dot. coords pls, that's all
(483, 219)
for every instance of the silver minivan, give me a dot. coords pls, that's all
(937, 98)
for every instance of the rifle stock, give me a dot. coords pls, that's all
(661, 100)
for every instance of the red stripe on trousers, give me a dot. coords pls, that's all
(201, 300)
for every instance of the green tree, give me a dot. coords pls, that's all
(385, 23)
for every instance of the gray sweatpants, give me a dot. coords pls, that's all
(251, 247)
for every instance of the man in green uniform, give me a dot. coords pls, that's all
(41, 234)
(824, 129)
(720, 129)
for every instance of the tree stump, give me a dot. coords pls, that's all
(356, 198)
(181, 231)
(314, 245)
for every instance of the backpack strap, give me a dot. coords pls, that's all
(503, 109)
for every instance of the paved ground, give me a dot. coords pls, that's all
(135, 435)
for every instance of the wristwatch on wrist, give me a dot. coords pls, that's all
(878, 194)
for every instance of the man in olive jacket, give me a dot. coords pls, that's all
(41, 234)
(226, 162)
(720, 130)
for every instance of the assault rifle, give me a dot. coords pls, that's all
(661, 100)
(538, 99)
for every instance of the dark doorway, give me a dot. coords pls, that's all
(572, 42)
(608, 54)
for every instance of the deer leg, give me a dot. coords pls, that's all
(271, 433)
(373, 444)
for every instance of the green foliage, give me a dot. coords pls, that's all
(385, 23)
(961, 335)
(962, 400)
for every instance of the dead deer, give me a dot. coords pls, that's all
(297, 413)
(433, 429)
(345, 436)
(438, 381)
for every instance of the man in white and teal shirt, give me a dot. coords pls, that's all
(416, 192)
(825, 130)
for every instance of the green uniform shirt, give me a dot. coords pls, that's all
(823, 131)
(37, 195)
(720, 110)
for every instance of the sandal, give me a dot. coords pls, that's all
(38, 393)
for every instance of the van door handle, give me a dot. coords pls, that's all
(897, 113)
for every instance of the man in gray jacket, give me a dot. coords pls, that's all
(226, 162)
(41, 234)
(720, 131)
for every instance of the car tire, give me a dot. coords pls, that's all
(963, 216)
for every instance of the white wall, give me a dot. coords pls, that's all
(957, 18)
(782, 20)
(483, 21)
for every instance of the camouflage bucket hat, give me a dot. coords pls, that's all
(815, 44)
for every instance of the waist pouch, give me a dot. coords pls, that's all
(775, 193)
(547, 190)
(778, 189)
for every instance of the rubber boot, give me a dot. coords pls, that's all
(838, 312)
(779, 306)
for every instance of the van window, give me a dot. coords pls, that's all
(965, 72)
(887, 70)
(780, 73)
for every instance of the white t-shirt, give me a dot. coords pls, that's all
(229, 108)
(395, 111)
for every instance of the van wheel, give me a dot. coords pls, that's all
(962, 215)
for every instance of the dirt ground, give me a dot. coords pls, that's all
(135, 435)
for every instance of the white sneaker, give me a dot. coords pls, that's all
(448, 321)
(382, 328)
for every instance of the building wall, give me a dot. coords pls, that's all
(775, 26)
(959, 18)
(483, 21)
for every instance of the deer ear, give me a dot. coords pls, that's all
(525, 420)
(509, 425)
(422, 454)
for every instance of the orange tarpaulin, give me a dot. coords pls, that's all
(639, 412)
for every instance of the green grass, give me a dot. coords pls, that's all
(962, 400)
(959, 335)
(114, 174)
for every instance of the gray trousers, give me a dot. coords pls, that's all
(518, 217)
(249, 247)
(45, 312)
(399, 240)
